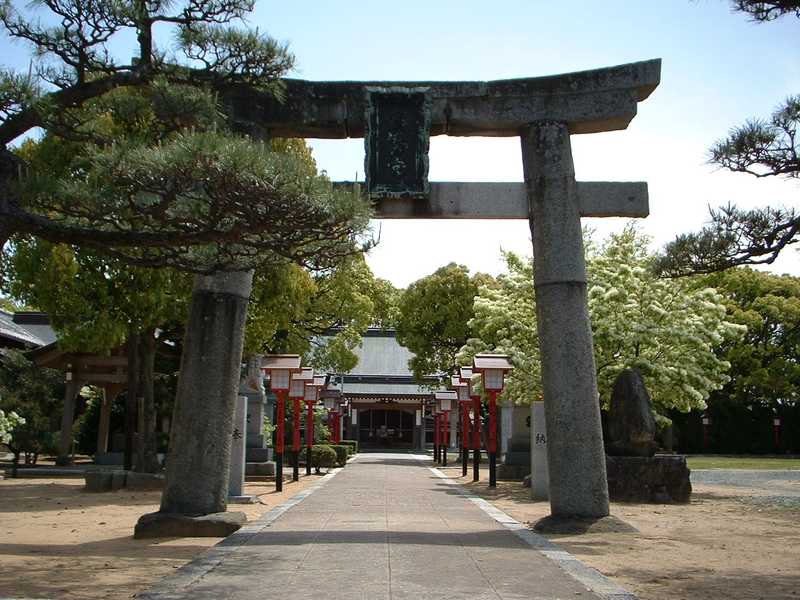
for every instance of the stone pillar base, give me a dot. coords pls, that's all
(158, 525)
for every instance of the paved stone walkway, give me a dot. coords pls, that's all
(385, 527)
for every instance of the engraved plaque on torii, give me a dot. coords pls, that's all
(396, 142)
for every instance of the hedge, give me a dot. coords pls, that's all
(342, 452)
(322, 456)
(353, 445)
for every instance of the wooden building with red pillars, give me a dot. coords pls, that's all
(385, 407)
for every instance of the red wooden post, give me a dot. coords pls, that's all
(310, 424)
(445, 436)
(776, 429)
(492, 421)
(465, 436)
(492, 449)
(279, 435)
(435, 437)
(296, 438)
(476, 437)
(309, 433)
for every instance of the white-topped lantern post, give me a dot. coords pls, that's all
(330, 401)
(462, 391)
(492, 368)
(343, 411)
(297, 391)
(311, 396)
(436, 431)
(445, 402)
(280, 368)
(466, 376)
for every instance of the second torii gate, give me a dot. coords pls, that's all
(397, 119)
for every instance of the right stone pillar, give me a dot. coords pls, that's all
(576, 458)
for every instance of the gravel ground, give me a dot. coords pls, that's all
(763, 487)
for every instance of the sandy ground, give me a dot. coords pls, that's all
(57, 541)
(730, 542)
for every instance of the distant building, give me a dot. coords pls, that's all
(386, 404)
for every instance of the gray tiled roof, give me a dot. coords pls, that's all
(36, 334)
(380, 356)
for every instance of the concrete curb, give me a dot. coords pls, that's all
(173, 587)
(595, 581)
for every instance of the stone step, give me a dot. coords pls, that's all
(260, 468)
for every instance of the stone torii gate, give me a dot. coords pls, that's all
(397, 119)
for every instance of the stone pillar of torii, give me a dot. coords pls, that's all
(397, 119)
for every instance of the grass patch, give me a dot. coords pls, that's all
(742, 462)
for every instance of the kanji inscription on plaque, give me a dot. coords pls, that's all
(397, 141)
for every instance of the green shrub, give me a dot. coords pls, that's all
(353, 444)
(342, 452)
(323, 457)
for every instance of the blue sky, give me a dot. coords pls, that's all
(718, 70)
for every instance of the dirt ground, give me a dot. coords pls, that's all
(729, 542)
(58, 541)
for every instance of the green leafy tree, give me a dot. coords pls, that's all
(434, 313)
(762, 148)
(386, 301)
(667, 329)
(9, 422)
(207, 196)
(35, 395)
(764, 363)
(293, 310)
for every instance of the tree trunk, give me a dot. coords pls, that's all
(131, 397)
(67, 420)
(104, 422)
(198, 464)
(147, 447)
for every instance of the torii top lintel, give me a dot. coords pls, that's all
(588, 101)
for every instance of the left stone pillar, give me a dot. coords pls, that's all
(198, 463)
(575, 454)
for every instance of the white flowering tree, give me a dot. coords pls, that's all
(668, 329)
(7, 424)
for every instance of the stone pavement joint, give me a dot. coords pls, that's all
(591, 578)
(385, 528)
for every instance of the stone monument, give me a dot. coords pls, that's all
(540, 477)
(635, 472)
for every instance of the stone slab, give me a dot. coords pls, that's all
(260, 468)
(658, 479)
(507, 200)
(238, 437)
(97, 481)
(118, 480)
(242, 499)
(258, 455)
(160, 525)
(144, 481)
